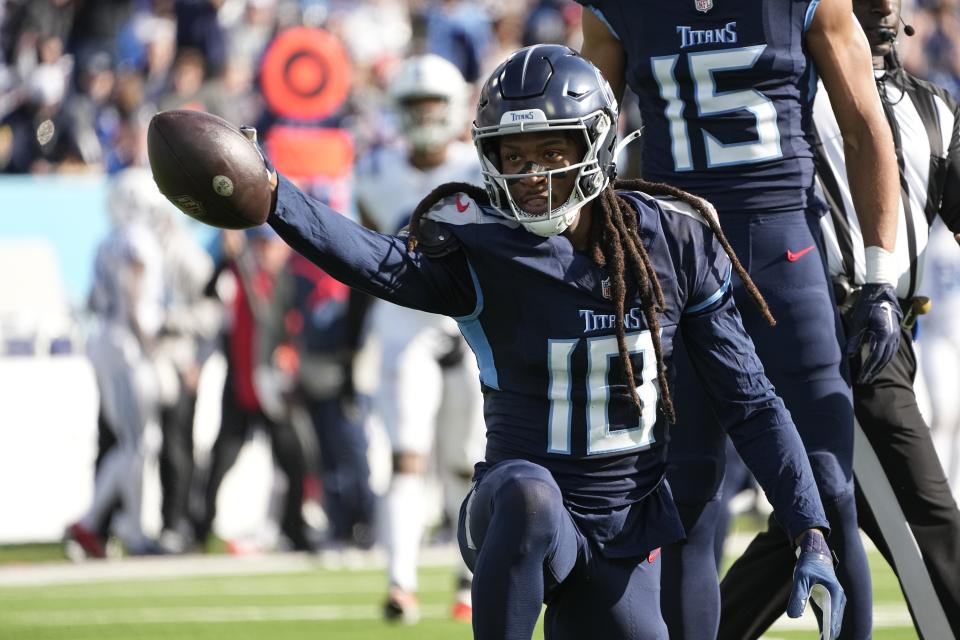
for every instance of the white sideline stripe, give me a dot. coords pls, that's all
(165, 615)
(917, 586)
(176, 589)
(884, 616)
(161, 567)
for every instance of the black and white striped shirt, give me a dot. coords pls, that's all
(925, 122)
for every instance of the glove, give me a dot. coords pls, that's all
(250, 133)
(874, 322)
(813, 576)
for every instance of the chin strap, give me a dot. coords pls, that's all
(630, 137)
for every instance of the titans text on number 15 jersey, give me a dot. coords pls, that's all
(541, 322)
(726, 90)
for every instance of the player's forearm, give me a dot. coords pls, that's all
(603, 49)
(753, 416)
(842, 56)
(366, 260)
(874, 183)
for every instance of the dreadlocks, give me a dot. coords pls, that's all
(615, 241)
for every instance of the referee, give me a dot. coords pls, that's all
(904, 503)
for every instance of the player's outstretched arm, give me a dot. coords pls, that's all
(814, 577)
(842, 56)
(217, 174)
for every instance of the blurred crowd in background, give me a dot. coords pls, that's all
(97, 71)
(79, 82)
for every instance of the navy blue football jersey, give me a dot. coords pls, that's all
(540, 319)
(726, 91)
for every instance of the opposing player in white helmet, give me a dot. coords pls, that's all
(428, 393)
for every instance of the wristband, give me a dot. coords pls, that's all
(881, 267)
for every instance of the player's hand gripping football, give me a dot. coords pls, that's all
(813, 577)
(875, 325)
(210, 169)
(251, 134)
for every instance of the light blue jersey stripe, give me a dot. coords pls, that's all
(700, 306)
(473, 333)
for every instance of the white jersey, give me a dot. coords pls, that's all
(388, 189)
(942, 285)
(114, 299)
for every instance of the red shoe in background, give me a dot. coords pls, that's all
(87, 540)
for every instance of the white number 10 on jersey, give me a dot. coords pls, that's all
(602, 352)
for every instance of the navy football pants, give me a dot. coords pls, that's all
(525, 550)
(802, 358)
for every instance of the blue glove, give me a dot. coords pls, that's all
(813, 576)
(874, 322)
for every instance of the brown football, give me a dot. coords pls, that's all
(207, 168)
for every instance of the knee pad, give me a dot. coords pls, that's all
(533, 504)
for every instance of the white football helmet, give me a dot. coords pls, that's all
(429, 76)
(134, 197)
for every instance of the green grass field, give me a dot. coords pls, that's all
(299, 600)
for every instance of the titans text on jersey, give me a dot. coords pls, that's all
(725, 95)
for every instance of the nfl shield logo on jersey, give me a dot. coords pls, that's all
(606, 288)
(703, 5)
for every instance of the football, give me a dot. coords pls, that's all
(207, 168)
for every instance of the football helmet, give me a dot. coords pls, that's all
(540, 88)
(423, 77)
(133, 197)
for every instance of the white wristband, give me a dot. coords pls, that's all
(881, 266)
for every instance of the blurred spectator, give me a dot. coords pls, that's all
(198, 27)
(191, 325)
(129, 145)
(232, 97)
(159, 52)
(312, 317)
(96, 25)
(186, 90)
(507, 22)
(933, 52)
(31, 137)
(254, 395)
(458, 31)
(248, 38)
(92, 117)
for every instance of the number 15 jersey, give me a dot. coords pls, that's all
(726, 91)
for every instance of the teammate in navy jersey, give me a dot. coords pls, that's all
(725, 90)
(570, 294)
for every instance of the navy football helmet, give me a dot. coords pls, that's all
(540, 88)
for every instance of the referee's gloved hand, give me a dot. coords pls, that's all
(875, 326)
(813, 577)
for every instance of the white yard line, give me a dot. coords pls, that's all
(163, 567)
